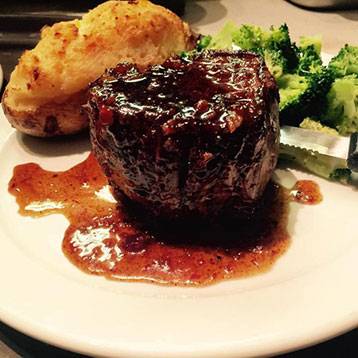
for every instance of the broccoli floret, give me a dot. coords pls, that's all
(249, 37)
(303, 96)
(342, 108)
(271, 45)
(280, 54)
(184, 54)
(291, 87)
(309, 55)
(342, 175)
(275, 61)
(315, 41)
(310, 61)
(309, 123)
(203, 42)
(346, 62)
(225, 37)
(278, 39)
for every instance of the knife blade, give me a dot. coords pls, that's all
(343, 149)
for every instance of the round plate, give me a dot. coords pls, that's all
(310, 294)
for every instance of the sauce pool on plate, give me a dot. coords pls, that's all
(103, 239)
(306, 192)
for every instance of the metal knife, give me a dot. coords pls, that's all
(344, 150)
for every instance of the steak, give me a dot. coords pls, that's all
(196, 136)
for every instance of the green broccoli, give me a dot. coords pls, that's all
(342, 175)
(291, 87)
(314, 125)
(224, 38)
(276, 62)
(274, 45)
(310, 61)
(346, 62)
(266, 43)
(303, 96)
(309, 55)
(203, 42)
(342, 108)
(278, 39)
(249, 37)
(307, 41)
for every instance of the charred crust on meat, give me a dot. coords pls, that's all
(195, 136)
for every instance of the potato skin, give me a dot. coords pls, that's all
(48, 86)
(50, 119)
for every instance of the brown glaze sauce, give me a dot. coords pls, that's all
(191, 136)
(306, 192)
(103, 240)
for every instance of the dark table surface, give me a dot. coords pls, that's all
(15, 36)
(15, 344)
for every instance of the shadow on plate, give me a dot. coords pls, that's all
(349, 15)
(196, 14)
(55, 147)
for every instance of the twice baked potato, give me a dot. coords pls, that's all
(48, 86)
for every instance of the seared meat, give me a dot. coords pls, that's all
(194, 136)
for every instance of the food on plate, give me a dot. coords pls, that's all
(342, 109)
(48, 86)
(346, 61)
(194, 136)
(314, 125)
(306, 192)
(342, 99)
(312, 95)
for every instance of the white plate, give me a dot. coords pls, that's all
(309, 295)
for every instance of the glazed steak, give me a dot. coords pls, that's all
(193, 136)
